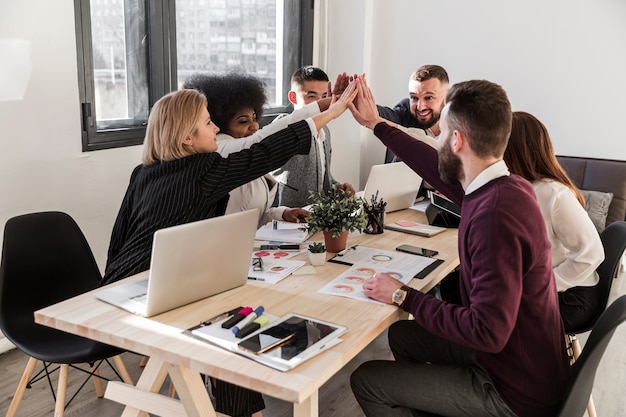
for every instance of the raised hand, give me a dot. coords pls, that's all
(341, 83)
(340, 103)
(364, 109)
(337, 106)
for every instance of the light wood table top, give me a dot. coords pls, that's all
(160, 337)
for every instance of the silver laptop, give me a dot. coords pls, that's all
(190, 262)
(395, 183)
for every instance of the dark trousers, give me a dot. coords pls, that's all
(234, 400)
(578, 305)
(430, 376)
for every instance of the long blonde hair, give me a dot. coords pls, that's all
(173, 118)
(530, 153)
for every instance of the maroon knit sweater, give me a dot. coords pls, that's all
(509, 312)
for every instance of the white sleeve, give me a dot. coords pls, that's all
(226, 144)
(577, 234)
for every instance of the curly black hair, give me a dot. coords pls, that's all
(228, 93)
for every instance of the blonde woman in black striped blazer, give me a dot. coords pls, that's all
(182, 179)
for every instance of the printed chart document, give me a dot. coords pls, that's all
(304, 337)
(283, 232)
(278, 253)
(270, 269)
(366, 262)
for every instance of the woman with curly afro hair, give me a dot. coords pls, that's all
(235, 102)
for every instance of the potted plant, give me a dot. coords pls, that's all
(317, 253)
(335, 214)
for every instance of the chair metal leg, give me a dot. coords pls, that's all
(21, 387)
(574, 347)
(59, 406)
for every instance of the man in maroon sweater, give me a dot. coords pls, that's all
(501, 351)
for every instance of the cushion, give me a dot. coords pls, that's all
(597, 205)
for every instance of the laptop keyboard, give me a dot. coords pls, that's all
(140, 298)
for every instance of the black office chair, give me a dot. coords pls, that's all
(584, 369)
(614, 242)
(46, 259)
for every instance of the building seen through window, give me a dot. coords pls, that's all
(132, 52)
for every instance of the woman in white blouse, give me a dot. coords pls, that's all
(576, 247)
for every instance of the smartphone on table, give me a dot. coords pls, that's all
(416, 250)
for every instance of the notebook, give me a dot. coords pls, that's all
(190, 262)
(411, 227)
(395, 183)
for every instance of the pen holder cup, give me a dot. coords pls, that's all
(375, 221)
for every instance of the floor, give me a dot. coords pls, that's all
(335, 398)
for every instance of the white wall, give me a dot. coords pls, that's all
(42, 166)
(562, 60)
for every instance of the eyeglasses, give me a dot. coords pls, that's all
(257, 264)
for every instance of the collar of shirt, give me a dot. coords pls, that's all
(497, 170)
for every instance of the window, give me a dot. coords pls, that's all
(132, 52)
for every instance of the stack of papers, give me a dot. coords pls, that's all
(283, 232)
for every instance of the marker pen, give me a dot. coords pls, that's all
(255, 325)
(248, 319)
(237, 317)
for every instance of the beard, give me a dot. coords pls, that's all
(428, 123)
(450, 166)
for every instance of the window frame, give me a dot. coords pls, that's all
(162, 65)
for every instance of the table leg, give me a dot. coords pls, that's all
(145, 398)
(307, 408)
(192, 392)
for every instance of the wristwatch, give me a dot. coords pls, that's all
(399, 296)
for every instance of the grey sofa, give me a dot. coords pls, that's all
(600, 177)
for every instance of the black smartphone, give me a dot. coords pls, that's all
(268, 339)
(415, 250)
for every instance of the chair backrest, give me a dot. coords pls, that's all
(45, 259)
(585, 367)
(613, 239)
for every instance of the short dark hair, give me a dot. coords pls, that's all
(426, 72)
(229, 93)
(307, 73)
(482, 110)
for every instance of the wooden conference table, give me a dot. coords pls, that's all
(184, 358)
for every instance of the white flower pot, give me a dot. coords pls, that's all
(317, 259)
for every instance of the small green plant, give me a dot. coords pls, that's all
(334, 211)
(317, 247)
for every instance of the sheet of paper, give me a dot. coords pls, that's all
(276, 254)
(350, 283)
(274, 269)
(283, 232)
(380, 258)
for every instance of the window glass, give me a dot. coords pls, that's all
(214, 36)
(120, 67)
(132, 52)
